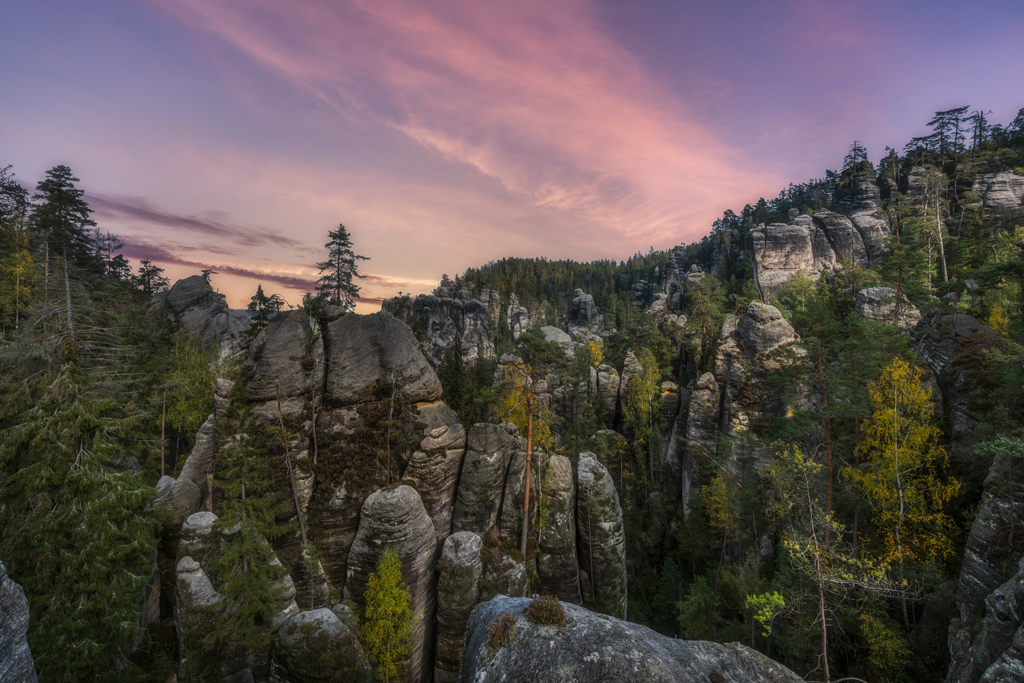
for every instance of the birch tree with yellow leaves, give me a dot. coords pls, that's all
(902, 472)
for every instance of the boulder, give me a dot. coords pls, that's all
(555, 335)
(205, 312)
(489, 450)
(601, 537)
(458, 583)
(395, 518)
(373, 352)
(16, 663)
(434, 466)
(594, 647)
(641, 293)
(285, 356)
(199, 540)
(557, 566)
(316, 647)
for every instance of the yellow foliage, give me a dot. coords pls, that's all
(718, 507)
(997, 320)
(902, 477)
(511, 407)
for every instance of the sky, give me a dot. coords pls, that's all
(445, 133)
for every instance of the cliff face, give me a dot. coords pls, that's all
(15, 657)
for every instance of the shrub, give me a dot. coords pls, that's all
(547, 610)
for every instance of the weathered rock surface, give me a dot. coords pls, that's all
(199, 540)
(434, 466)
(459, 571)
(489, 450)
(518, 317)
(205, 312)
(440, 319)
(197, 604)
(608, 382)
(557, 566)
(879, 303)
(594, 647)
(15, 657)
(191, 491)
(601, 537)
(377, 350)
(990, 647)
(396, 519)
(515, 492)
(1000, 192)
(316, 647)
(583, 316)
(555, 335)
(701, 430)
(763, 329)
(285, 357)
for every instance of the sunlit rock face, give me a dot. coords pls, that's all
(1000, 192)
(596, 647)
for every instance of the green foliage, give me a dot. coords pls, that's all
(262, 308)
(765, 607)
(697, 613)
(190, 383)
(387, 625)
(546, 610)
(336, 273)
(888, 651)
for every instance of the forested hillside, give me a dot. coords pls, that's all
(798, 433)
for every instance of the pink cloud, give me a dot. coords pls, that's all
(530, 94)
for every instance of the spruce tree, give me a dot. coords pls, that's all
(262, 308)
(337, 272)
(387, 626)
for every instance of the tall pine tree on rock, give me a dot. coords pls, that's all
(336, 273)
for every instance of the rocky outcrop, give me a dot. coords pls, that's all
(594, 647)
(763, 330)
(199, 539)
(1000, 192)
(583, 316)
(440, 319)
(608, 383)
(434, 467)
(192, 491)
(197, 605)
(459, 572)
(15, 657)
(285, 359)
(996, 650)
(316, 647)
(489, 450)
(856, 229)
(879, 303)
(205, 312)
(600, 537)
(396, 519)
(518, 318)
(377, 351)
(701, 430)
(513, 498)
(557, 566)
(641, 293)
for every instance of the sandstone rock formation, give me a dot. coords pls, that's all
(601, 538)
(440, 320)
(458, 589)
(583, 317)
(203, 311)
(434, 466)
(192, 491)
(518, 318)
(286, 359)
(701, 430)
(594, 647)
(15, 657)
(878, 303)
(557, 566)
(1000, 192)
(489, 450)
(377, 350)
(316, 647)
(396, 519)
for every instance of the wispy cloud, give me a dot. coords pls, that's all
(211, 223)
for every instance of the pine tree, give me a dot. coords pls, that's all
(337, 272)
(150, 278)
(262, 308)
(387, 626)
(61, 217)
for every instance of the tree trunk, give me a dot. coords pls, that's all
(163, 422)
(67, 295)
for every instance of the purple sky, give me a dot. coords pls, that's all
(446, 134)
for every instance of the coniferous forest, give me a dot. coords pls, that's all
(815, 458)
